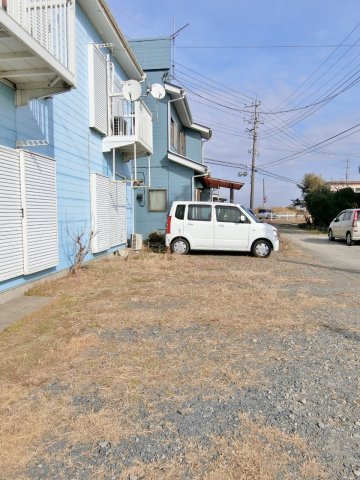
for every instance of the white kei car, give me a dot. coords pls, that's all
(218, 226)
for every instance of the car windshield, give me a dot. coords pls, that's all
(252, 215)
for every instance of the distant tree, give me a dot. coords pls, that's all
(310, 183)
(313, 183)
(321, 203)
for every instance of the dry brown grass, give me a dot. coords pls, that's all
(131, 329)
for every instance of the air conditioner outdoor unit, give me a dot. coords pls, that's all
(120, 126)
(136, 241)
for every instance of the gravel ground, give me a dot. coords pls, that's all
(307, 388)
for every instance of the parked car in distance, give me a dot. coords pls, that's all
(218, 226)
(346, 226)
(265, 213)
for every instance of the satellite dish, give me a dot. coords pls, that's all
(131, 90)
(157, 91)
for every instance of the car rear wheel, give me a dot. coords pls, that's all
(349, 240)
(261, 249)
(331, 235)
(180, 245)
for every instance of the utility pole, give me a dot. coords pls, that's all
(254, 151)
(346, 169)
(264, 196)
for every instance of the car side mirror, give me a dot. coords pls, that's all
(242, 219)
(336, 220)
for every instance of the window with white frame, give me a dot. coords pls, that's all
(157, 200)
(181, 142)
(173, 135)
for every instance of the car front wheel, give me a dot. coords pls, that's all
(349, 240)
(180, 245)
(331, 235)
(261, 249)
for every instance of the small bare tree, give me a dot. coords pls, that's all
(82, 245)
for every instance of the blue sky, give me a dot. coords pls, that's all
(233, 77)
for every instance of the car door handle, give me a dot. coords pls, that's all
(222, 226)
(189, 223)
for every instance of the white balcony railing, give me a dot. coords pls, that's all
(144, 124)
(50, 22)
(132, 119)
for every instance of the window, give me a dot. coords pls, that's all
(180, 212)
(157, 201)
(173, 136)
(347, 215)
(181, 142)
(177, 138)
(228, 214)
(340, 217)
(201, 213)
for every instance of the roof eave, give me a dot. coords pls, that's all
(183, 109)
(181, 104)
(106, 25)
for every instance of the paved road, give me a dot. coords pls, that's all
(336, 255)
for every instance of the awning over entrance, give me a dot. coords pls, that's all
(210, 182)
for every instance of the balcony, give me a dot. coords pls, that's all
(131, 129)
(37, 46)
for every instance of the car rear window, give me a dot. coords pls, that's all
(180, 212)
(201, 213)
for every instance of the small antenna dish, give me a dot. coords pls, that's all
(157, 91)
(131, 90)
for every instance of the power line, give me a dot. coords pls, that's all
(262, 171)
(224, 47)
(318, 68)
(282, 160)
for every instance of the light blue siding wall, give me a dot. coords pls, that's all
(64, 121)
(152, 54)
(7, 116)
(193, 145)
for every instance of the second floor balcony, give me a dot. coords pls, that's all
(131, 128)
(37, 43)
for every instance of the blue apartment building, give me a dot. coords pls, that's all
(68, 135)
(177, 165)
(178, 171)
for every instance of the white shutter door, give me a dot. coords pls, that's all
(122, 211)
(114, 214)
(100, 200)
(98, 90)
(108, 211)
(11, 215)
(118, 230)
(41, 249)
